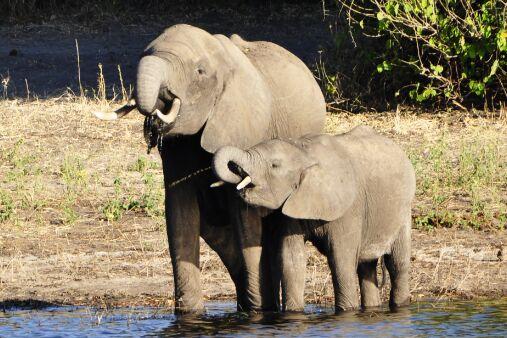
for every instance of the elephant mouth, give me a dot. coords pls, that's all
(174, 105)
(246, 179)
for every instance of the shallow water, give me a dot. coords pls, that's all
(421, 319)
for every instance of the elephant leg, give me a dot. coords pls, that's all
(343, 261)
(293, 266)
(345, 282)
(368, 284)
(398, 265)
(223, 241)
(258, 284)
(183, 235)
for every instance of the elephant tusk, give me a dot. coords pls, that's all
(119, 113)
(105, 116)
(246, 181)
(217, 184)
(173, 113)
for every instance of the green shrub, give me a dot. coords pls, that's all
(430, 50)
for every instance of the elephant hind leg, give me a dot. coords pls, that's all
(368, 284)
(222, 240)
(398, 265)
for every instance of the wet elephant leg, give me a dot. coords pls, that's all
(258, 284)
(368, 284)
(398, 265)
(223, 241)
(182, 215)
(345, 239)
(293, 263)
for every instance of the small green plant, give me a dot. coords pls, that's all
(153, 198)
(70, 216)
(150, 201)
(114, 208)
(73, 172)
(435, 218)
(22, 163)
(142, 164)
(6, 206)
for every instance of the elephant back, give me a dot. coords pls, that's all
(298, 103)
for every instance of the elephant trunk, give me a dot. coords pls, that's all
(150, 77)
(224, 160)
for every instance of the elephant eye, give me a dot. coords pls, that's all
(200, 71)
(275, 164)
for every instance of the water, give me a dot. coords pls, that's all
(421, 319)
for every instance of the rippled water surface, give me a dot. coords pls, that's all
(421, 319)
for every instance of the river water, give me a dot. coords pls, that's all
(420, 319)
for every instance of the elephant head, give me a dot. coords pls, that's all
(188, 79)
(307, 182)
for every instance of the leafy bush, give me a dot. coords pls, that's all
(432, 50)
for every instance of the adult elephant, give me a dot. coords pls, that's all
(199, 92)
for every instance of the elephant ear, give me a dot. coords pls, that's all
(242, 113)
(326, 190)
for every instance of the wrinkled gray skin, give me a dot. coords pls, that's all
(349, 194)
(232, 92)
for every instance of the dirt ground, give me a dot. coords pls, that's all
(59, 244)
(127, 264)
(81, 205)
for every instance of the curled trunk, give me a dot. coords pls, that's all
(150, 77)
(224, 158)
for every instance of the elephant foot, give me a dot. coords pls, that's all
(395, 303)
(182, 306)
(368, 307)
(346, 306)
(342, 308)
(254, 308)
(371, 301)
(292, 305)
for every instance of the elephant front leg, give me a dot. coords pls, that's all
(293, 264)
(183, 234)
(345, 284)
(258, 284)
(343, 261)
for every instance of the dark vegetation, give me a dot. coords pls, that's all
(438, 52)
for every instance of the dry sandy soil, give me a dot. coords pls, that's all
(60, 243)
(81, 217)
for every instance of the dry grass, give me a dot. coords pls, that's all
(82, 219)
(460, 160)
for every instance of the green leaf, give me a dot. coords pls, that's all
(437, 69)
(478, 88)
(501, 41)
(494, 67)
(361, 24)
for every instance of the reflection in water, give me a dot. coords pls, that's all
(449, 319)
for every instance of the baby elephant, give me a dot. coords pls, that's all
(350, 194)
